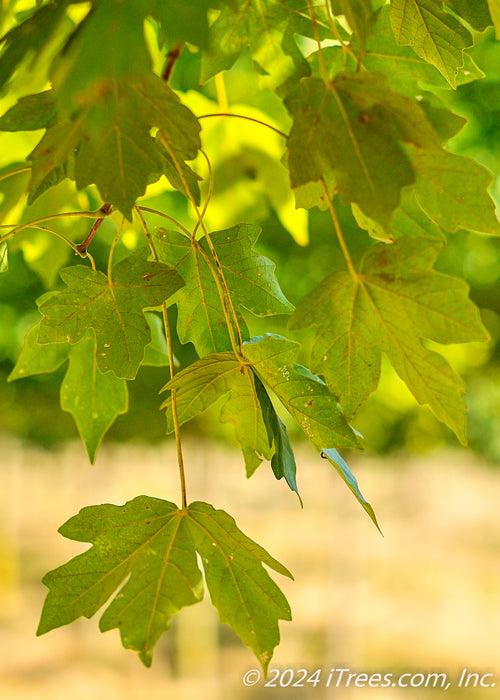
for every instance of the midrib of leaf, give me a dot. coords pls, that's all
(197, 250)
(160, 580)
(121, 323)
(229, 567)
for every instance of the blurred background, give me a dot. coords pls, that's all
(424, 597)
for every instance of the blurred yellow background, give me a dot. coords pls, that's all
(423, 598)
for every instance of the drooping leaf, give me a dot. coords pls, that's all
(370, 124)
(249, 277)
(204, 382)
(452, 190)
(283, 460)
(94, 399)
(35, 358)
(304, 395)
(147, 540)
(113, 308)
(240, 588)
(435, 35)
(394, 303)
(346, 474)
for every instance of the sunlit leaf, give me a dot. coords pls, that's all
(434, 35)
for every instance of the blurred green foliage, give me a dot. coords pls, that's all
(250, 184)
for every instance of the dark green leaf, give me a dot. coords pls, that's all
(304, 395)
(346, 474)
(94, 399)
(283, 460)
(112, 307)
(156, 353)
(359, 14)
(249, 277)
(240, 588)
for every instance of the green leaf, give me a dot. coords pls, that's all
(435, 35)
(53, 158)
(475, 13)
(268, 28)
(156, 353)
(112, 31)
(370, 123)
(452, 190)
(183, 21)
(147, 540)
(395, 302)
(94, 399)
(144, 557)
(304, 395)
(109, 139)
(30, 113)
(207, 380)
(405, 70)
(240, 588)
(27, 40)
(346, 474)
(249, 277)
(113, 308)
(38, 359)
(283, 460)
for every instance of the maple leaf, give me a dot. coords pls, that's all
(146, 539)
(152, 546)
(406, 71)
(35, 358)
(204, 382)
(249, 276)
(240, 588)
(94, 399)
(112, 307)
(304, 395)
(395, 302)
(268, 28)
(370, 123)
(434, 35)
